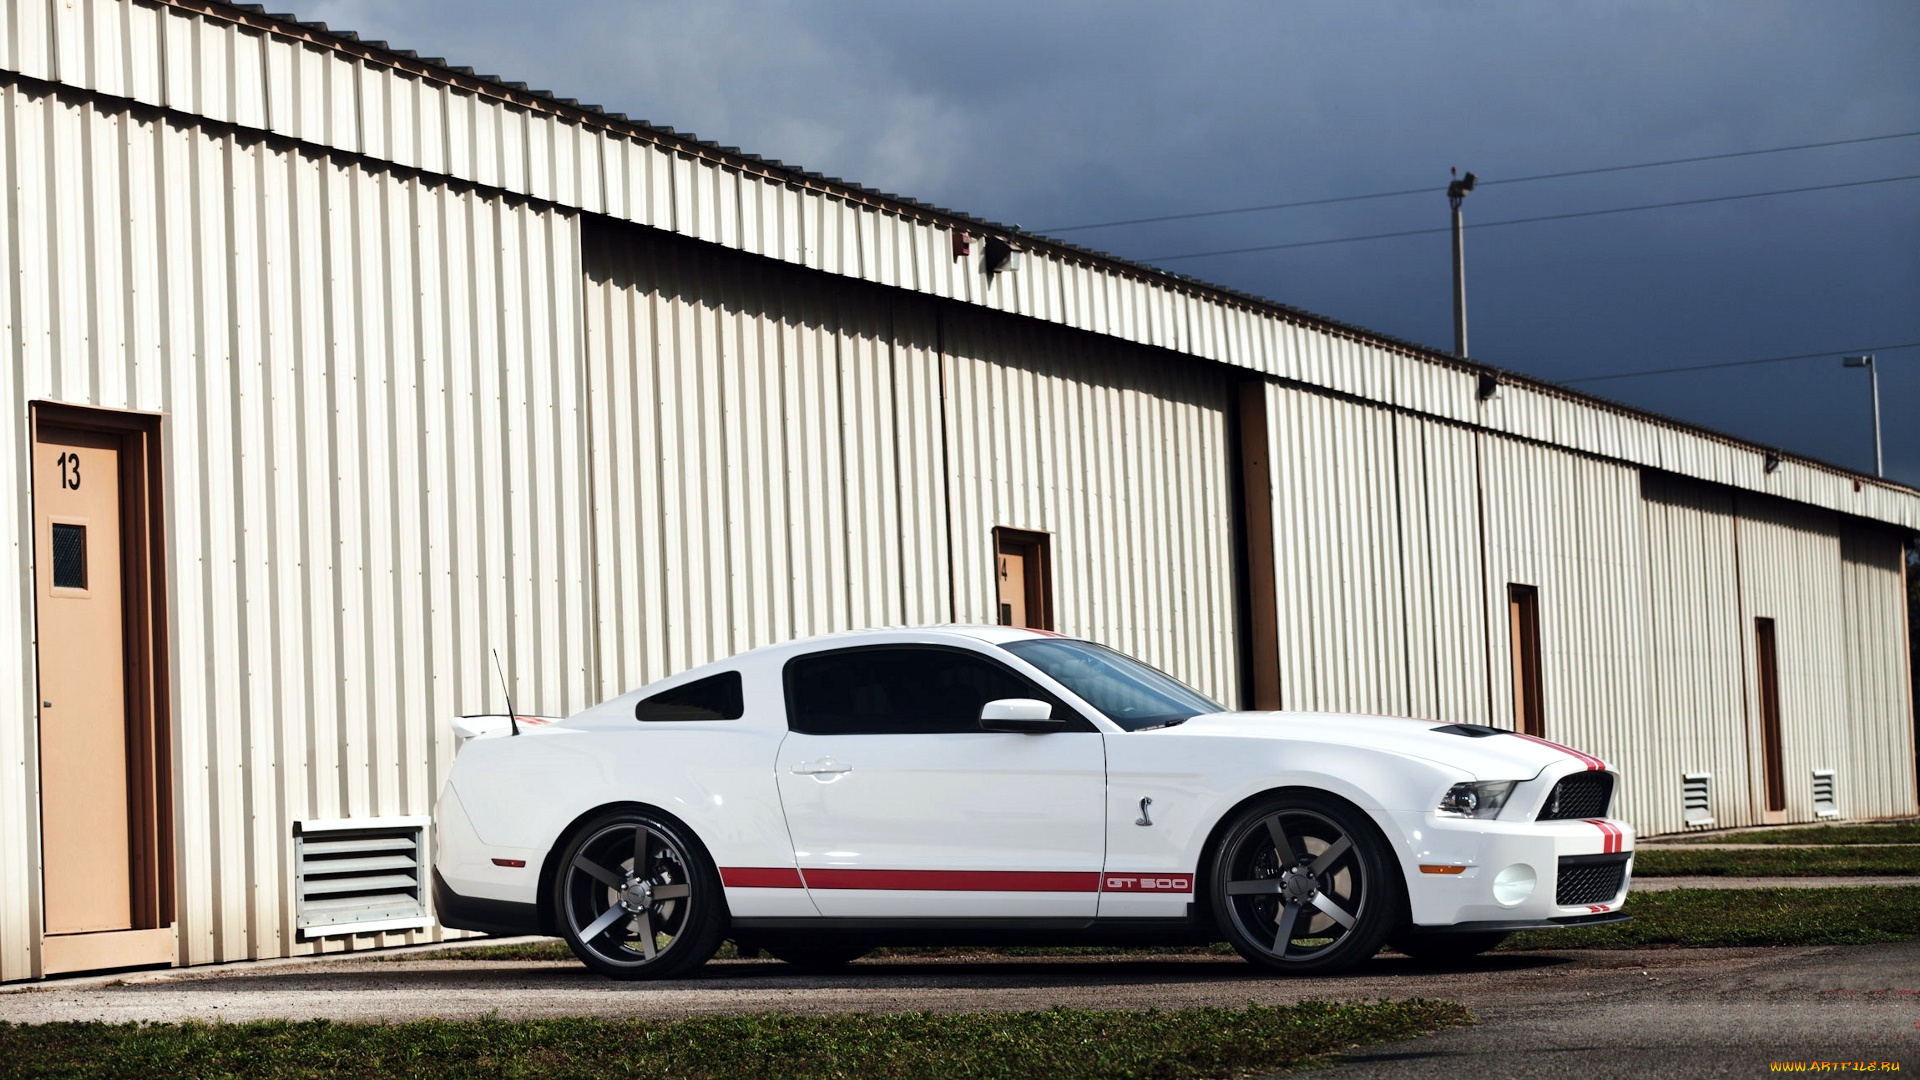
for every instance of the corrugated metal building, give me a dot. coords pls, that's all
(370, 366)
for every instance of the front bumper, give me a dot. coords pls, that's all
(1452, 866)
(1509, 926)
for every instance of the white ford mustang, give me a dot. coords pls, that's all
(992, 785)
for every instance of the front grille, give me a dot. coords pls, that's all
(1582, 795)
(1589, 879)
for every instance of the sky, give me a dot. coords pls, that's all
(1053, 115)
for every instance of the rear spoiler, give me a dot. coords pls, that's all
(487, 724)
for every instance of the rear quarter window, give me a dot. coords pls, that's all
(716, 697)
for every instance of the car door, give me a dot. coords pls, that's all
(900, 806)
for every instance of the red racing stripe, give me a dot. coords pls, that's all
(956, 880)
(1592, 763)
(1613, 838)
(760, 877)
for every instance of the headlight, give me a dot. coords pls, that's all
(1481, 799)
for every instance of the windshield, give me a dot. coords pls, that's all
(1129, 692)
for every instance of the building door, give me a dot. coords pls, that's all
(86, 839)
(99, 811)
(1022, 568)
(1529, 696)
(1767, 665)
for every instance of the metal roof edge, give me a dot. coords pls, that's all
(256, 17)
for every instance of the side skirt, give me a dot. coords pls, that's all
(954, 932)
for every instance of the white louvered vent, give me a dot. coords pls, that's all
(1823, 804)
(360, 875)
(1696, 799)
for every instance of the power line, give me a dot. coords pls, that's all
(1741, 363)
(1528, 220)
(1430, 189)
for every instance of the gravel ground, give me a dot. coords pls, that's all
(1670, 1012)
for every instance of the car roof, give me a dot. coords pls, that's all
(936, 634)
(932, 634)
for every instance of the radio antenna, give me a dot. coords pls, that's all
(506, 691)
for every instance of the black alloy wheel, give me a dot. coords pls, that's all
(1301, 886)
(636, 898)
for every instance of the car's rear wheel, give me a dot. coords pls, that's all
(816, 956)
(1301, 885)
(1441, 948)
(636, 898)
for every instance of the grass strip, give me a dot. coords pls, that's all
(1901, 832)
(1777, 862)
(1067, 1043)
(1709, 917)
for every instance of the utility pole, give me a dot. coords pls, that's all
(1456, 194)
(1873, 380)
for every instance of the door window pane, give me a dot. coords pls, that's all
(716, 697)
(1132, 694)
(69, 556)
(897, 691)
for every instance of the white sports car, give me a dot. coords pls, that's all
(992, 785)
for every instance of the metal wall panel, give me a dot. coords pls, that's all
(1340, 559)
(1699, 719)
(318, 93)
(372, 398)
(775, 468)
(1790, 573)
(767, 456)
(1835, 709)
(1123, 461)
(1879, 690)
(1571, 527)
(1439, 485)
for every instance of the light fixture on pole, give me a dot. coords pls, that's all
(1456, 193)
(1873, 380)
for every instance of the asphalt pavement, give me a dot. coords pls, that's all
(1592, 1014)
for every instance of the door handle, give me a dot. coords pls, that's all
(824, 765)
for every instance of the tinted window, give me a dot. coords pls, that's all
(1132, 694)
(716, 697)
(897, 691)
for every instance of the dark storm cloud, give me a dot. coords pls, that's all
(1049, 115)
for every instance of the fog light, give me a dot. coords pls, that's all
(1514, 884)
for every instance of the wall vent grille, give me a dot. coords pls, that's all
(1696, 799)
(1823, 804)
(360, 876)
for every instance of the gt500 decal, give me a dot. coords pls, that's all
(1147, 883)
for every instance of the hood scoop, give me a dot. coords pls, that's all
(1471, 731)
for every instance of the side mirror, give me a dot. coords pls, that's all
(1023, 715)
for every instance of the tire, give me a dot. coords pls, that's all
(816, 957)
(1301, 885)
(657, 924)
(1444, 948)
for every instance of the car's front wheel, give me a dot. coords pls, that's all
(636, 898)
(1301, 885)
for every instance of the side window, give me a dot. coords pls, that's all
(897, 691)
(716, 697)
